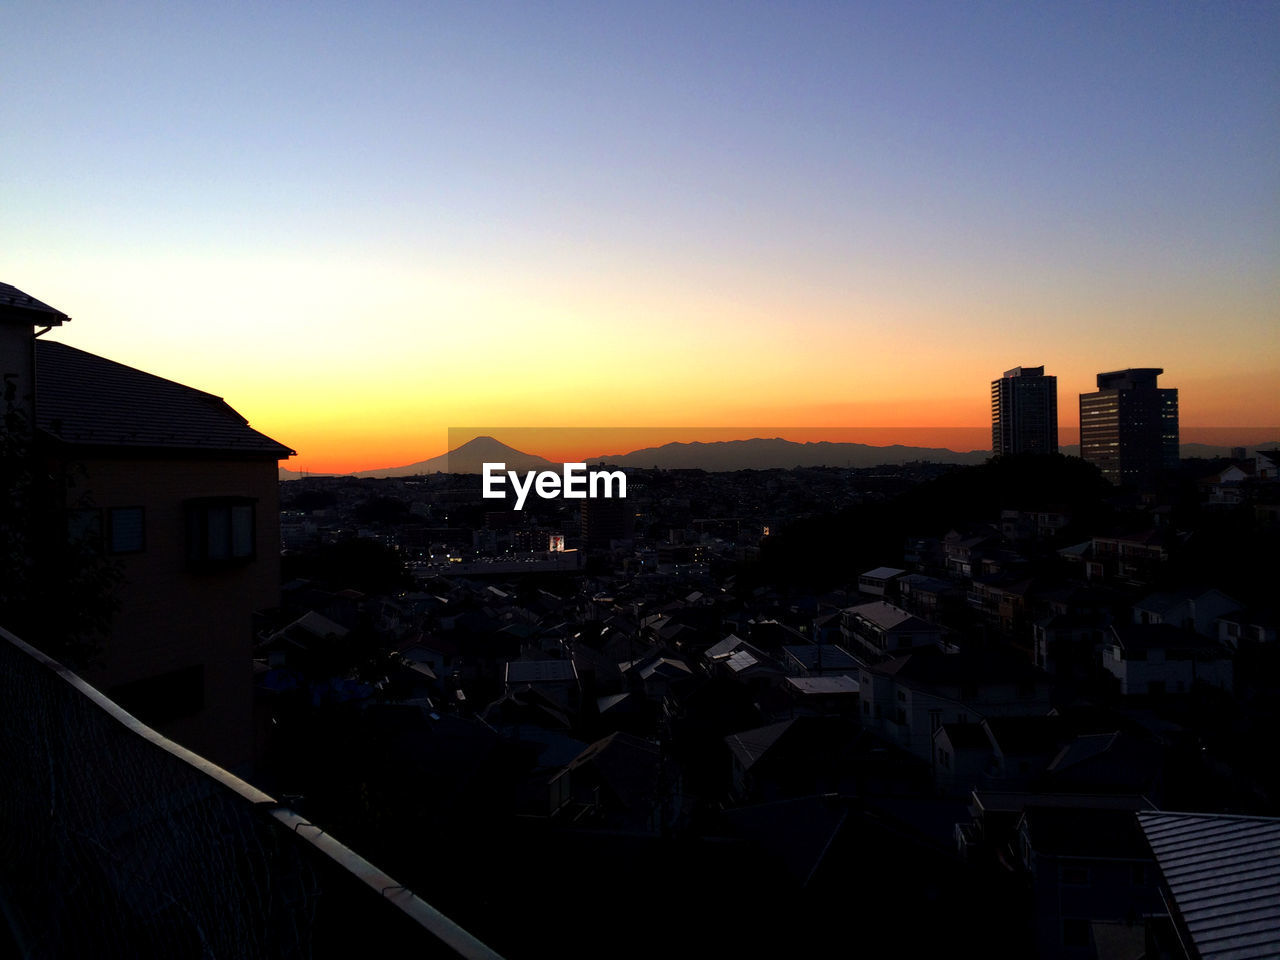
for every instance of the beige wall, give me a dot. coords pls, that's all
(171, 616)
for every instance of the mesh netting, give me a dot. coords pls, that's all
(112, 846)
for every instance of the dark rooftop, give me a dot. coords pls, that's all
(1224, 876)
(15, 303)
(87, 400)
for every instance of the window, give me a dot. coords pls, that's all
(126, 530)
(220, 531)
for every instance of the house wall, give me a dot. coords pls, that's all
(1177, 676)
(959, 771)
(174, 618)
(909, 717)
(1071, 892)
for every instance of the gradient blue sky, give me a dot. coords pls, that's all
(431, 214)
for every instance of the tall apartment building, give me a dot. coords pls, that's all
(1024, 412)
(1129, 426)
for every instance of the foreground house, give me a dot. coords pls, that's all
(1218, 876)
(174, 486)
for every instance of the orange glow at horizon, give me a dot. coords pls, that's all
(582, 443)
(363, 365)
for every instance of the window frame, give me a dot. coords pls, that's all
(109, 534)
(198, 513)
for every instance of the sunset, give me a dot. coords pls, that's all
(363, 228)
(717, 479)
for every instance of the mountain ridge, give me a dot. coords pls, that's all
(757, 453)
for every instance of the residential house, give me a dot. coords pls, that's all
(554, 680)
(1017, 525)
(964, 550)
(880, 582)
(1069, 644)
(1196, 610)
(798, 757)
(621, 782)
(818, 660)
(1248, 626)
(961, 757)
(926, 596)
(1085, 865)
(1135, 557)
(905, 700)
(1159, 659)
(184, 495)
(879, 628)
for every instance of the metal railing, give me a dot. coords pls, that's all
(117, 842)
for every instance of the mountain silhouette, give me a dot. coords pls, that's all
(470, 457)
(757, 454)
(776, 453)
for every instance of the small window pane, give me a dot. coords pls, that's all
(219, 531)
(242, 531)
(126, 530)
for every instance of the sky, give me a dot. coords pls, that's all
(365, 224)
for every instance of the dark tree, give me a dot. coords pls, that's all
(57, 586)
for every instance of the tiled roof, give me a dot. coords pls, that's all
(824, 685)
(750, 745)
(1223, 873)
(884, 573)
(886, 616)
(828, 656)
(85, 399)
(724, 648)
(540, 671)
(14, 300)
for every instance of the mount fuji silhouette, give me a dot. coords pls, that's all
(468, 458)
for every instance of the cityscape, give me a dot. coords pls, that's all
(1024, 692)
(502, 481)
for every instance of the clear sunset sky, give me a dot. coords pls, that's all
(362, 224)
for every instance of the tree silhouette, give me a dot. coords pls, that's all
(57, 586)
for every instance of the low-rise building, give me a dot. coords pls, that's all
(880, 628)
(1159, 659)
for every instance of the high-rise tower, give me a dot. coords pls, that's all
(1024, 412)
(1129, 426)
